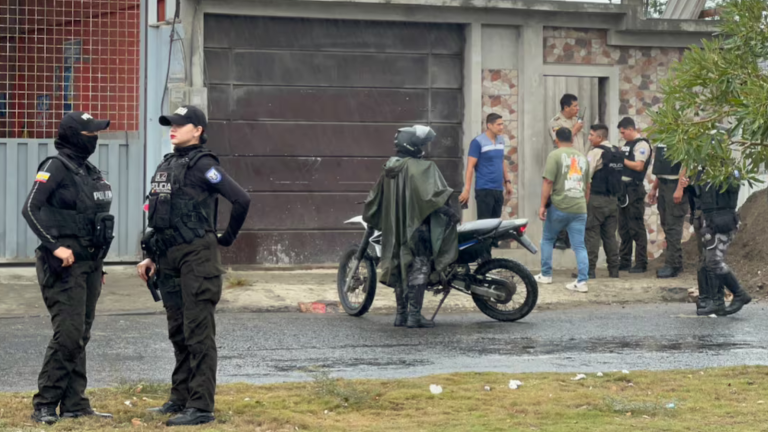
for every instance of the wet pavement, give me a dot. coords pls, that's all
(273, 347)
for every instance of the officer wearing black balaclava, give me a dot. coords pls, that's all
(183, 249)
(409, 206)
(68, 210)
(716, 223)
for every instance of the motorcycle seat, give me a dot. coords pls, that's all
(513, 224)
(480, 227)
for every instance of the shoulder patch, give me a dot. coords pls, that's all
(42, 177)
(642, 151)
(213, 176)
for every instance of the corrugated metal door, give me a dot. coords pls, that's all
(304, 112)
(123, 165)
(588, 92)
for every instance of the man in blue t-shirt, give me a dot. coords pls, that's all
(486, 157)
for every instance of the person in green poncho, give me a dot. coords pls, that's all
(409, 206)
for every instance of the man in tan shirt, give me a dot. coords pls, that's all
(569, 118)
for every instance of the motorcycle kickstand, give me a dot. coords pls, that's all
(439, 305)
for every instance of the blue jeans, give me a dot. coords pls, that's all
(576, 225)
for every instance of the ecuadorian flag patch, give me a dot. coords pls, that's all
(42, 177)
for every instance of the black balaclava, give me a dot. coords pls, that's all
(74, 144)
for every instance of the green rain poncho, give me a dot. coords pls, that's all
(406, 194)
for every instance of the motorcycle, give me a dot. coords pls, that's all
(473, 273)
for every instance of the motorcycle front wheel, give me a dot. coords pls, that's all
(358, 298)
(515, 307)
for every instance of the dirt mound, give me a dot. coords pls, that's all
(748, 255)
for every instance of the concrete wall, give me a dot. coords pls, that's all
(508, 53)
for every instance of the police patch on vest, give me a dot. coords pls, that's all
(161, 187)
(102, 195)
(161, 176)
(42, 177)
(213, 175)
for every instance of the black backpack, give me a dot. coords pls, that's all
(613, 162)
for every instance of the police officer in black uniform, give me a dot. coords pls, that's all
(670, 192)
(68, 210)
(183, 249)
(637, 153)
(717, 225)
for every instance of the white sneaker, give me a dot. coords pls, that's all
(577, 286)
(540, 278)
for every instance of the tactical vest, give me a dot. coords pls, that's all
(711, 200)
(662, 165)
(629, 154)
(90, 221)
(177, 212)
(607, 180)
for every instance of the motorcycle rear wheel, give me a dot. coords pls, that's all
(493, 309)
(364, 283)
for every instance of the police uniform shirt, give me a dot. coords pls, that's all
(642, 152)
(595, 158)
(559, 121)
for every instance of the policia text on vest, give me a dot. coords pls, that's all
(68, 209)
(182, 247)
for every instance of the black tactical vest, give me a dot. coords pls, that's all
(712, 200)
(662, 165)
(607, 180)
(90, 220)
(176, 207)
(629, 154)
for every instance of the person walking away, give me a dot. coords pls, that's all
(606, 163)
(409, 206)
(183, 253)
(68, 210)
(670, 193)
(567, 118)
(566, 182)
(718, 225)
(486, 164)
(637, 152)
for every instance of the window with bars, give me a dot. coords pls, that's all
(58, 56)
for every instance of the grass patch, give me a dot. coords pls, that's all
(235, 282)
(717, 400)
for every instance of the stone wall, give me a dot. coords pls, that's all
(640, 70)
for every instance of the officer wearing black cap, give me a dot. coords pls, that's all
(68, 209)
(183, 249)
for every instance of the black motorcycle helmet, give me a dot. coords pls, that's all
(412, 140)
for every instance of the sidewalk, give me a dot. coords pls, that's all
(315, 291)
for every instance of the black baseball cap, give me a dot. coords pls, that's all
(83, 122)
(184, 115)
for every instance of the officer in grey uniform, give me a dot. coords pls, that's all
(637, 152)
(183, 249)
(670, 192)
(719, 223)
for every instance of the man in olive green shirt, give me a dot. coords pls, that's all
(566, 182)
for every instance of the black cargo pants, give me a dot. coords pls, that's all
(190, 282)
(672, 221)
(71, 301)
(632, 225)
(602, 220)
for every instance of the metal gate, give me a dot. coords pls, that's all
(59, 56)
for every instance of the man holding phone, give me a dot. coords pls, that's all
(568, 118)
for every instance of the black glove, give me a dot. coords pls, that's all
(226, 239)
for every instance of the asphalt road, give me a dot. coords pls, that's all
(275, 347)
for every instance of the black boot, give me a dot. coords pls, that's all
(169, 407)
(191, 417)
(740, 297)
(613, 274)
(708, 303)
(638, 269)
(415, 301)
(625, 267)
(85, 413)
(402, 308)
(45, 415)
(591, 275)
(667, 272)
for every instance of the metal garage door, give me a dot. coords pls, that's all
(304, 112)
